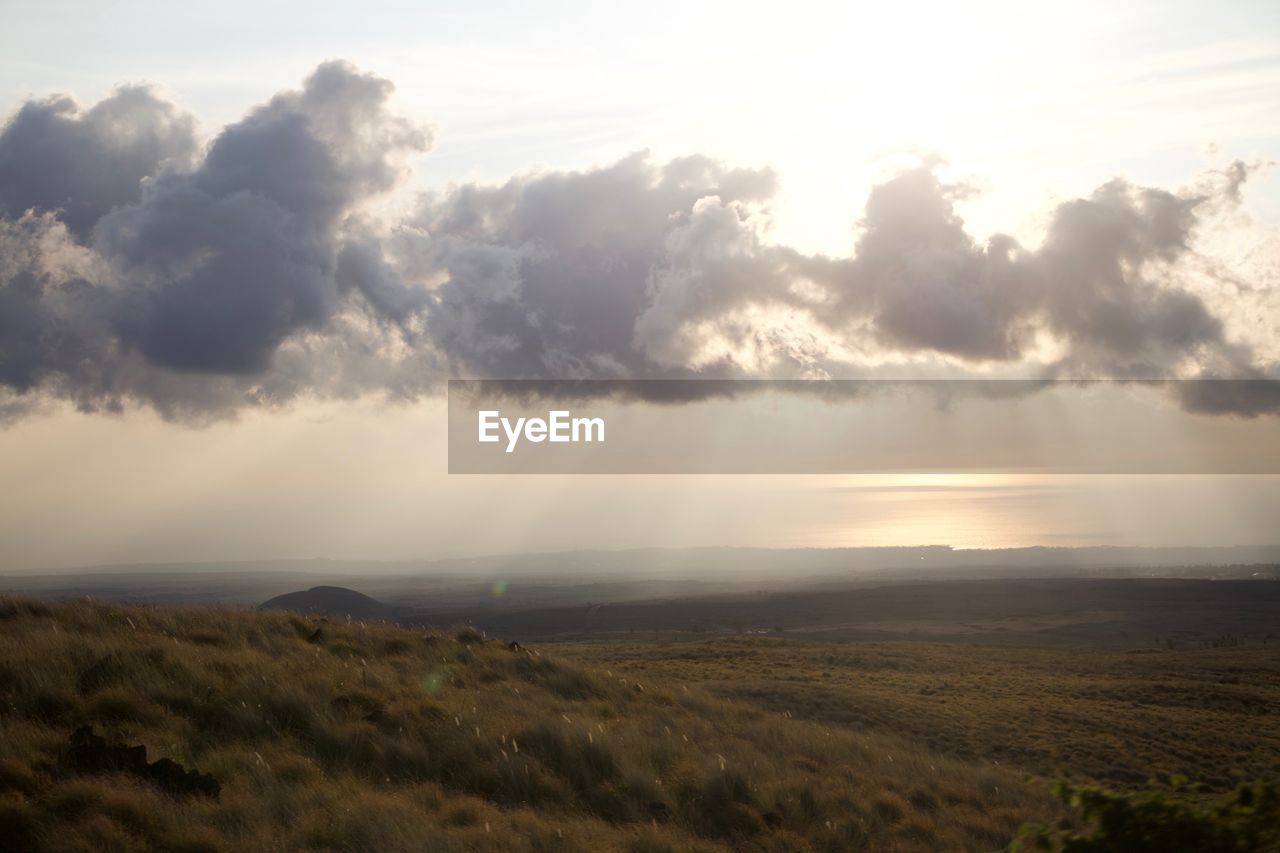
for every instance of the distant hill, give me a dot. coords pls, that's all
(337, 601)
(538, 581)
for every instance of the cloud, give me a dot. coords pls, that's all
(548, 275)
(1104, 283)
(1109, 288)
(920, 282)
(220, 265)
(203, 273)
(138, 267)
(81, 164)
(48, 328)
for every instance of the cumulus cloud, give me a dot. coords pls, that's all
(48, 327)
(219, 265)
(924, 284)
(81, 164)
(139, 267)
(547, 275)
(202, 274)
(1104, 284)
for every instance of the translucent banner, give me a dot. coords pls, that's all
(863, 426)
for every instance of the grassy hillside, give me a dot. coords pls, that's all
(1118, 718)
(341, 735)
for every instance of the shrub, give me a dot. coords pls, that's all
(1158, 821)
(723, 806)
(469, 636)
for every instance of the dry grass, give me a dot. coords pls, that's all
(1087, 715)
(375, 737)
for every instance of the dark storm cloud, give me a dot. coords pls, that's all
(627, 294)
(223, 263)
(1101, 282)
(1246, 397)
(1104, 291)
(136, 269)
(55, 157)
(547, 276)
(42, 280)
(202, 274)
(925, 284)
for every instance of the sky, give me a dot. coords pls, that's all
(230, 291)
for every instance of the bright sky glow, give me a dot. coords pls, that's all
(1030, 102)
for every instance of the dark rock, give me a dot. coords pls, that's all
(90, 753)
(659, 810)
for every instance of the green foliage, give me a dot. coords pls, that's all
(1244, 821)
